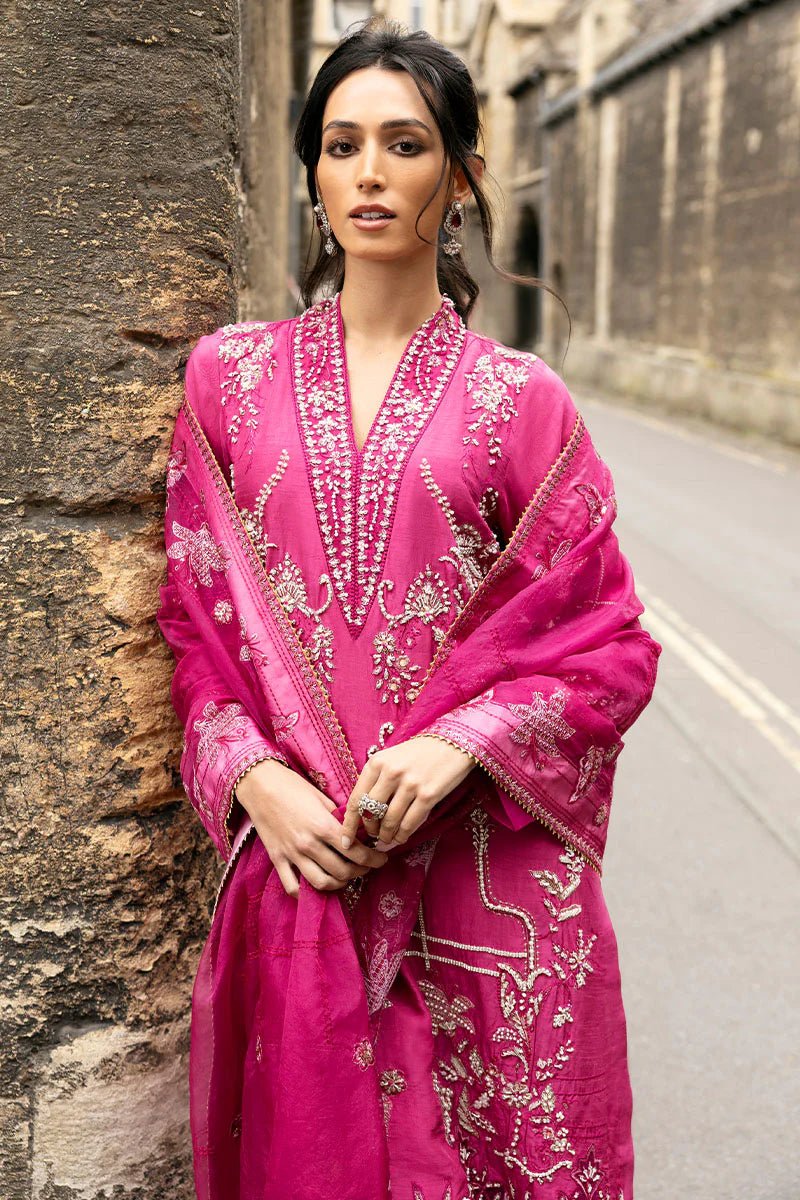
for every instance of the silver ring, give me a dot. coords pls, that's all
(375, 808)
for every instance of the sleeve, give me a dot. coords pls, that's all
(550, 737)
(222, 739)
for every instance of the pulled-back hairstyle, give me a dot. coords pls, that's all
(447, 88)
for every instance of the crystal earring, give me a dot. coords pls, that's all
(324, 226)
(453, 222)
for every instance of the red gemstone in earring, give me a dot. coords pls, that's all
(456, 220)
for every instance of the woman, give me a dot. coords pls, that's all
(407, 646)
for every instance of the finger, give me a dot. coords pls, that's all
(336, 865)
(287, 877)
(360, 853)
(399, 806)
(366, 782)
(383, 792)
(316, 876)
(416, 815)
(352, 817)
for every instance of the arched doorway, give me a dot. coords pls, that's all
(528, 254)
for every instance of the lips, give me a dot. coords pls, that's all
(372, 212)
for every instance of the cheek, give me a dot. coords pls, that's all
(419, 188)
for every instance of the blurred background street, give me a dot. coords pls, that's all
(703, 864)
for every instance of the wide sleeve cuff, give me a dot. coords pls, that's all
(224, 743)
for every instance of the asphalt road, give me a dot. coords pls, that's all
(703, 862)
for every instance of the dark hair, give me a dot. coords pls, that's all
(446, 86)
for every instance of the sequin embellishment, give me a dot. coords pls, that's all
(355, 493)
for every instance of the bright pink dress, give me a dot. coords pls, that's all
(452, 1027)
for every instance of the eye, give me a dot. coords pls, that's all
(338, 142)
(416, 147)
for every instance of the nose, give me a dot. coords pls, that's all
(370, 174)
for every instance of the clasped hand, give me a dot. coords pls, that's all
(411, 778)
(296, 822)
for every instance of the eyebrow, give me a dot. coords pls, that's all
(395, 123)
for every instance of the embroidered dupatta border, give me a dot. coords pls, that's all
(548, 488)
(519, 535)
(321, 707)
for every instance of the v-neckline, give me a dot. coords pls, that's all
(355, 491)
(398, 370)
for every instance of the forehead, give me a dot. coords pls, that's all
(371, 95)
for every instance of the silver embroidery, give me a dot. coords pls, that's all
(556, 550)
(197, 548)
(496, 379)
(355, 494)
(540, 722)
(514, 1084)
(290, 588)
(253, 520)
(246, 350)
(589, 768)
(216, 726)
(471, 556)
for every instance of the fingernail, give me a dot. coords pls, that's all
(347, 842)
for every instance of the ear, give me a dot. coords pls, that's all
(460, 188)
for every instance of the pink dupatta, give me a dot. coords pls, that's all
(551, 633)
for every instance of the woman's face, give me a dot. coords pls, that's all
(380, 145)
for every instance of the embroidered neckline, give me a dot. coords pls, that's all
(355, 491)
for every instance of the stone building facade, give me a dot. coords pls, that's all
(661, 143)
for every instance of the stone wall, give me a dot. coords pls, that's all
(121, 235)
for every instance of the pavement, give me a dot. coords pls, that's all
(702, 866)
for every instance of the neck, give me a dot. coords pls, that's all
(384, 302)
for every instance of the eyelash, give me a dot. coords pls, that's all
(403, 142)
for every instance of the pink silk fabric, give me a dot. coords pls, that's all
(451, 1026)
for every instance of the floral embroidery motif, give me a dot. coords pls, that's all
(248, 347)
(363, 1054)
(595, 502)
(508, 1100)
(390, 905)
(427, 598)
(197, 548)
(497, 377)
(250, 651)
(471, 556)
(290, 588)
(393, 1082)
(540, 722)
(553, 554)
(589, 768)
(223, 612)
(355, 493)
(601, 815)
(283, 724)
(393, 669)
(176, 467)
(216, 726)
(589, 1175)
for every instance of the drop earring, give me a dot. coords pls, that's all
(453, 222)
(324, 226)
